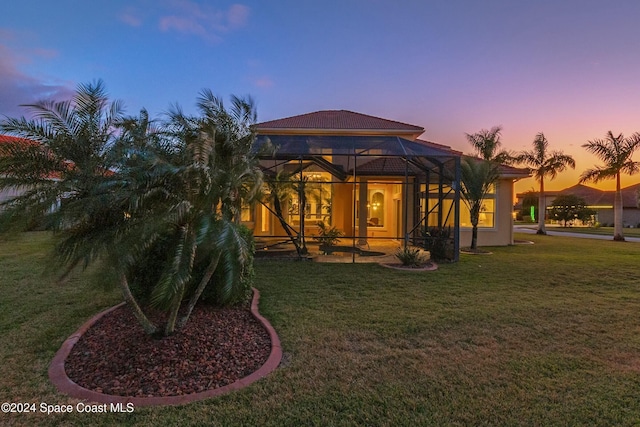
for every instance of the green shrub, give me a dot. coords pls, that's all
(241, 284)
(146, 273)
(327, 237)
(438, 241)
(410, 257)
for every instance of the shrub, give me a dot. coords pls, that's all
(146, 273)
(241, 286)
(327, 237)
(410, 257)
(437, 240)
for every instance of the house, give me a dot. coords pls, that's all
(9, 192)
(371, 178)
(602, 202)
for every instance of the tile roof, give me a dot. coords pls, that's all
(338, 120)
(388, 166)
(9, 139)
(596, 197)
(436, 145)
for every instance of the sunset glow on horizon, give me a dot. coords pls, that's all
(567, 68)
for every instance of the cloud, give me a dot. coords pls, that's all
(263, 82)
(18, 88)
(191, 18)
(130, 17)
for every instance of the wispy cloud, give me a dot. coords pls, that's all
(188, 17)
(131, 17)
(18, 88)
(263, 82)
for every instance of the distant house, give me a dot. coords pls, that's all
(602, 202)
(11, 192)
(374, 178)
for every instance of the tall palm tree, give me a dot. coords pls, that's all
(487, 144)
(616, 152)
(478, 177)
(544, 163)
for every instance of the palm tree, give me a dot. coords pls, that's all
(66, 170)
(478, 177)
(487, 145)
(125, 191)
(544, 163)
(616, 153)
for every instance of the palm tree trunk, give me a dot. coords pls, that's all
(147, 325)
(542, 209)
(278, 208)
(617, 212)
(211, 268)
(474, 237)
(170, 326)
(475, 217)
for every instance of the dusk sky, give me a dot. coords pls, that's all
(568, 68)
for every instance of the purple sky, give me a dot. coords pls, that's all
(567, 68)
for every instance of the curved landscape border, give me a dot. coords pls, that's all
(59, 378)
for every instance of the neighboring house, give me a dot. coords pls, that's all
(9, 193)
(373, 178)
(602, 202)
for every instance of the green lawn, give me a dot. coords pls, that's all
(544, 334)
(605, 231)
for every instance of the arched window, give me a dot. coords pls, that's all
(376, 209)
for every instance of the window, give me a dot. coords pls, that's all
(318, 198)
(487, 215)
(376, 209)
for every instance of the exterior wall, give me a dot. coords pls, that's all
(502, 233)
(630, 217)
(9, 194)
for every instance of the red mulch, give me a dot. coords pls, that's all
(215, 348)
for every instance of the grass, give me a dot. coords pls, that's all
(604, 231)
(544, 334)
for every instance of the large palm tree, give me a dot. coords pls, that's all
(616, 152)
(478, 178)
(487, 145)
(544, 164)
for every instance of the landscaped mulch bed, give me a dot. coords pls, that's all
(215, 348)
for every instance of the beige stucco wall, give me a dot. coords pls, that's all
(502, 233)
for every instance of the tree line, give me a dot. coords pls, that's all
(480, 174)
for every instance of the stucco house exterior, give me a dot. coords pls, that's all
(374, 178)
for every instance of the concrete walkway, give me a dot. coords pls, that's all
(550, 232)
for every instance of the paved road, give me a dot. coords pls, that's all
(550, 232)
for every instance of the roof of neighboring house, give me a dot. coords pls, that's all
(332, 121)
(8, 138)
(596, 197)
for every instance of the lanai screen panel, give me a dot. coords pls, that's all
(349, 159)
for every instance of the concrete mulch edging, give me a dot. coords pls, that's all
(431, 266)
(468, 252)
(59, 378)
(523, 242)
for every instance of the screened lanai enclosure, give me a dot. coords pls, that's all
(368, 188)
